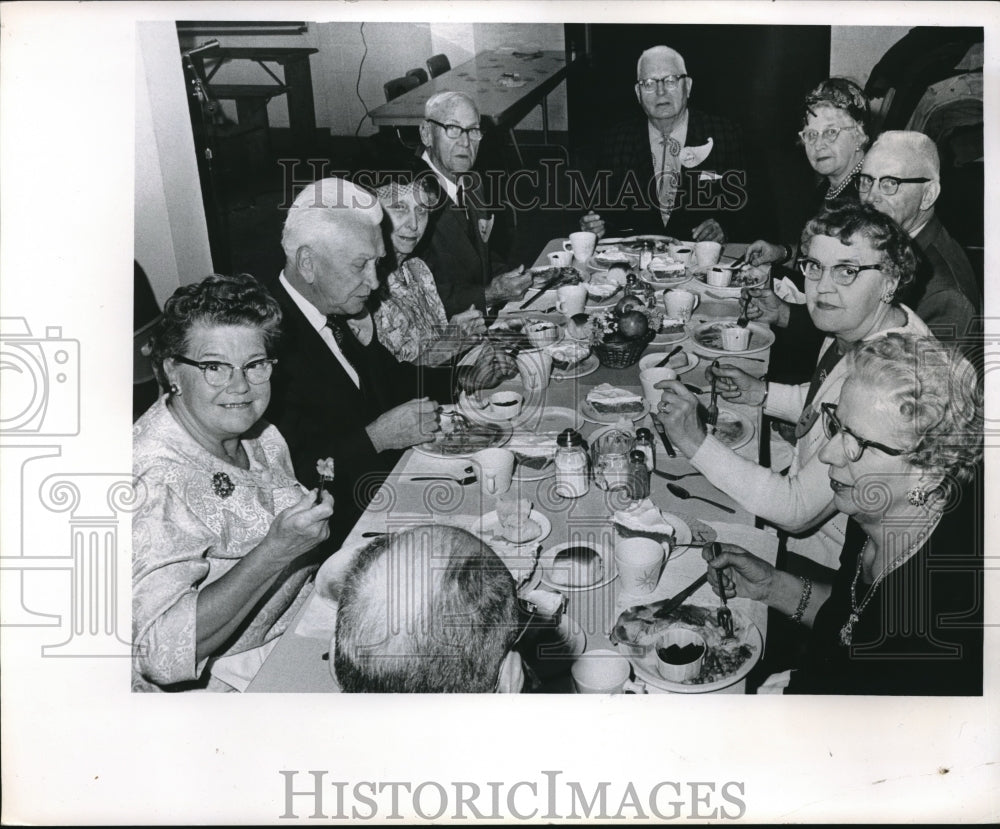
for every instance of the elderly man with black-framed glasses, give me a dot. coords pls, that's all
(470, 233)
(671, 170)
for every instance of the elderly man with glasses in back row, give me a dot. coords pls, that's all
(470, 233)
(674, 170)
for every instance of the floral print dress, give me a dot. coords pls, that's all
(411, 319)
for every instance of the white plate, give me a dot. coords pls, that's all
(700, 274)
(693, 360)
(672, 338)
(473, 412)
(589, 413)
(487, 525)
(501, 434)
(645, 667)
(551, 420)
(586, 366)
(541, 274)
(547, 562)
(682, 532)
(597, 262)
(665, 282)
(733, 417)
(761, 338)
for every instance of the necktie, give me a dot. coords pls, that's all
(809, 414)
(666, 187)
(348, 343)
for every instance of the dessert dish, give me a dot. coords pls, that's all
(513, 522)
(607, 399)
(644, 519)
(578, 566)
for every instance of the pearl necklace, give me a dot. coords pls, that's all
(847, 631)
(833, 192)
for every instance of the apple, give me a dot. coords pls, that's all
(633, 325)
(627, 303)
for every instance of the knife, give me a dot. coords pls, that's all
(666, 359)
(668, 606)
(541, 291)
(713, 405)
(663, 436)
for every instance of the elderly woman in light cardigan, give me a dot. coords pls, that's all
(856, 261)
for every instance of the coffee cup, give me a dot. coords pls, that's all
(561, 258)
(670, 663)
(582, 243)
(571, 299)
(505, 404)
(640, 563)
(649, 377)
(719, 277)
(535, 368)
(541, 334)
(680, 304)
(735, 338)
(496, 468)
(603, 672)
(707, 253)
(681, 251)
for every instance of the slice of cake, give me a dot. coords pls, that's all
(534, 451)
(644, 519)
(672, 326)
(607, 399)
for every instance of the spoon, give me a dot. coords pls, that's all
(683, 494)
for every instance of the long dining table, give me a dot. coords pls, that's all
(301, 659)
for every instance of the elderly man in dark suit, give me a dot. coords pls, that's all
(461, 247)
(337, 392)
(673, 170)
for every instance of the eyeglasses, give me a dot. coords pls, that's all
(842, 274)
(474, 132)
(829, 135)
(667, 82)
(889, 185)
(854, 446)
(221, 374)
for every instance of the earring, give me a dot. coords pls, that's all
(887, 296)
(175, 390)
(916, 496)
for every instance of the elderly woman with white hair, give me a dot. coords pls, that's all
(904, 614)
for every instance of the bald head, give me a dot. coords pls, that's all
(328, 206)
(431, 610)
(660, 56)
(904, 155)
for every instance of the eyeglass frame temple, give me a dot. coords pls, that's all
(829, 412)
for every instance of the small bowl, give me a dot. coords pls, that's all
(541, 334)
(505, 404)
(719, 276)
(671, 650)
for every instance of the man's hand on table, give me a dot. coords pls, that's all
(492, 366)
(506, 287)
(470, 322)
(736, 386)
(594, 223)
(762, 252)
(406, 425)
(709, 231)
(678, 412)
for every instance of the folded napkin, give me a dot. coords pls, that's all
(319, 618)
(693, 156)
(788, 291)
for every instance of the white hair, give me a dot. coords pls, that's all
(440, 105)
(325, 205)
(913, 144)
(660, 51)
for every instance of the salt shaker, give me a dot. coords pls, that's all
(571, 465)
(638, 475)
(644, 443)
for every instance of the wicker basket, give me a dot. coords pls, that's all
(624, 354)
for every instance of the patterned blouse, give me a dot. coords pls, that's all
(197, 517)
(409, 321)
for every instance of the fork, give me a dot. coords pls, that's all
(743, 321)
(724, 616)
(713, 407)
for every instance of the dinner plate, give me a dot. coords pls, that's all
(733, 290)
(541, 274)
(610, 256)
(733, 429)
(661, 244)
(546, 564)
(486, 527)
(589, 413)
(665, 282)
(692, 360)
(485, 436)
(586, 366)
(707, 338)
(645, 666)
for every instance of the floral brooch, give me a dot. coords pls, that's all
(222, 485)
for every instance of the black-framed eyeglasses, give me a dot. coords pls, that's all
(842, 273)
(667, 82)
(854, 446)
(889, 185)
(475, 132)
(220, 374)
(828, 135)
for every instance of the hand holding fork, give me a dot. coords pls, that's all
(724, 616)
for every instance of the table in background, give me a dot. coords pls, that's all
(478, 78)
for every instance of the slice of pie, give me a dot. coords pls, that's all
(607, 399)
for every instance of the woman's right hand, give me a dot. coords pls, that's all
(470, 322)
(736, 385)
(764, 253)
(301, 527)
(746, 575)
(594, 223)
